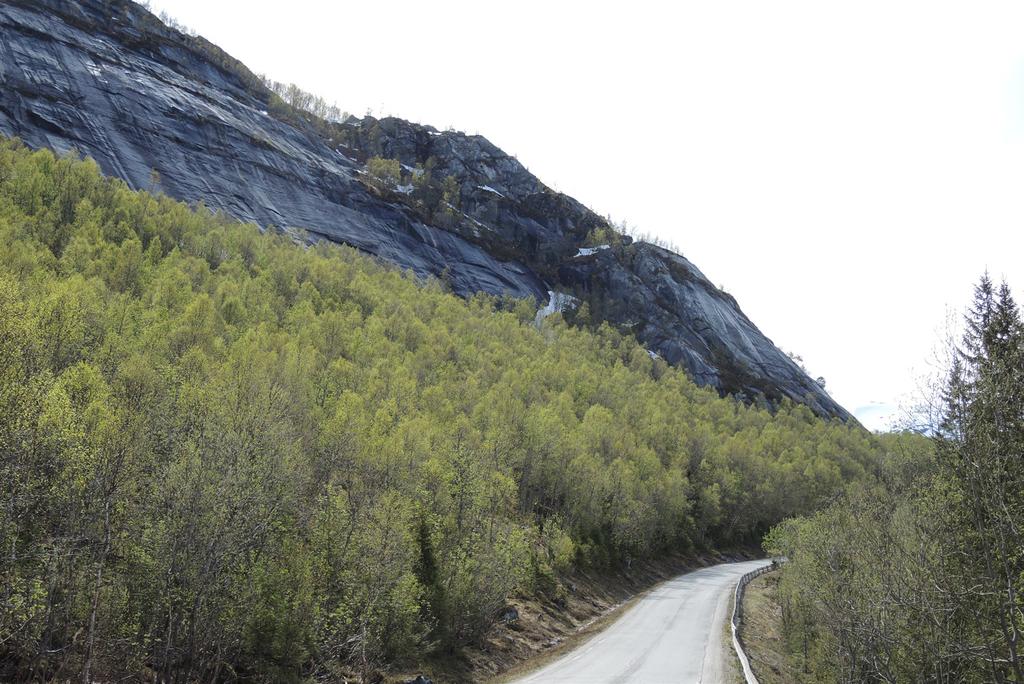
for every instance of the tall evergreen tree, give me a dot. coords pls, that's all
(920, 579)
(981, 454)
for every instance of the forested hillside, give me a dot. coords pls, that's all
(920, 576)
(167, 111)
(224, 455)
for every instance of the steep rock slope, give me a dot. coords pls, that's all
(108, 79)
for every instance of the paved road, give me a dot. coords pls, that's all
(674, 635)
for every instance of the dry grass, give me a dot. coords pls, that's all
(761, 632)
(733, 672)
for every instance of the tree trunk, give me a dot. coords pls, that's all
(90, 643)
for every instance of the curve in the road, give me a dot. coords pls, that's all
(673, 635)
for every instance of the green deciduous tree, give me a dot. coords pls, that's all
(225, 457)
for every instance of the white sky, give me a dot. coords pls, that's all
(845, 170)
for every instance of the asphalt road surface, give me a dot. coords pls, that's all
(673, 635)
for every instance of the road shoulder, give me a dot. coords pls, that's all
(762, 634)
(553, 624)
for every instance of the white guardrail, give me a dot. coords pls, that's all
(737, 616)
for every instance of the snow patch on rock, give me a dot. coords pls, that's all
(557, 303)
(488, 188)
(587, 251)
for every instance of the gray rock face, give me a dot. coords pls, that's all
(670, 305)
(501, 206)
(509, 614)
(108, 79)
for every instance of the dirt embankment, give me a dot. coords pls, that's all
(575, 607)
(762, 634)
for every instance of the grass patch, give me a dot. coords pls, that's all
(762, 635)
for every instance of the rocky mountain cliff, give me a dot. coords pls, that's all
(108, 79)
